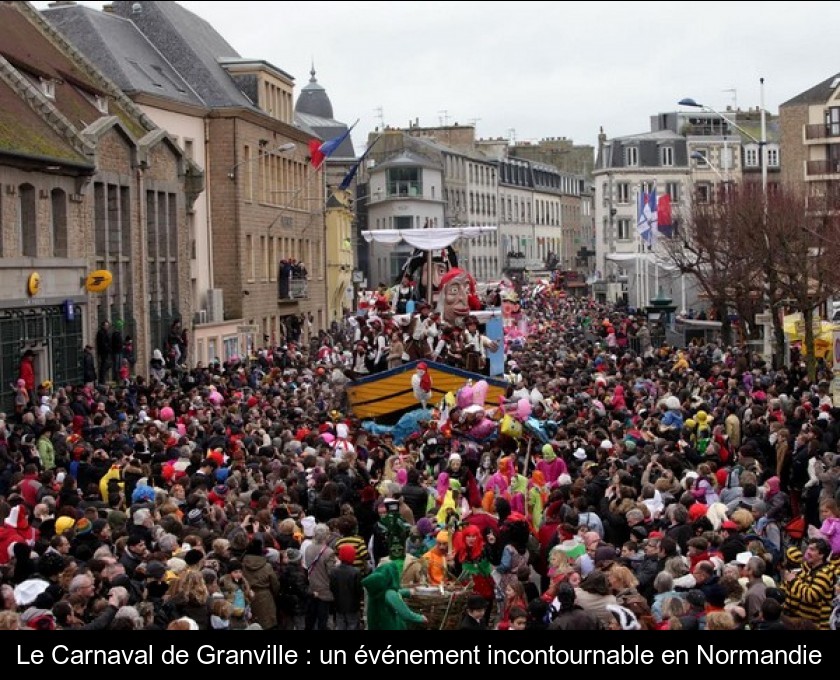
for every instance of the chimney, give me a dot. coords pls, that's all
(108, 8)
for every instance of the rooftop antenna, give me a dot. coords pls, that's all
(380, 113)
(444, 119)
(512, 135)
(734, 92)
(475, 122)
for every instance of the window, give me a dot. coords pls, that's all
(772, 157)
(832, 121)
(703, 192)
(249, 256)
(27, 221)
(631, 156)
(404, 182)
(231, 344)
(751, 156)
(48, 88)
(673, 190)
(59, 223)
(667, 156)
(701, 156)
(623, 229)
(622, 192)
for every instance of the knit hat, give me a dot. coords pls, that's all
(193, 557)
(604, 556)
(442, 537)
(155, 569)
(117, 519)
(293, 555)
(63, 524)
(83, 526)
(347, 554)
(38, 619)
(234, 565)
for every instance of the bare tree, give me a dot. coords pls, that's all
(751, 250)
(713, 244)
(803, 236)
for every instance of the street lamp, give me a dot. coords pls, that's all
(288, 146)
(698, 156)
(762, 143)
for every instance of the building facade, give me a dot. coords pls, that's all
(810, 138)
(89, 183)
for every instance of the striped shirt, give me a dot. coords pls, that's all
(809, 594)
(362, 560)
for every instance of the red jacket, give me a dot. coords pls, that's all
(15, 529)
(27, 373)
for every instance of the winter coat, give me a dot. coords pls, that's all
(266, 587)
(15, 529)
(293, 586)
(321, 560)
(346, 587)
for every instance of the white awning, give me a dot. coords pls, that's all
(651, 258)
(426, 239)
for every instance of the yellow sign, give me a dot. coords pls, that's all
(33, 284)
(98, 281)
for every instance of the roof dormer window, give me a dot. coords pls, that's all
(48, 88)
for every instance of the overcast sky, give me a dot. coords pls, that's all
(535, 69)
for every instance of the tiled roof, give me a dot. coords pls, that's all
(191, 45)
(121, 51)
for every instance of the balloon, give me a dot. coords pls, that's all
(342, 430)
(480, 392)
(449, 399)
(167, 414)
(465, 396)
(523, 409)
(182, 429)
(329, 438)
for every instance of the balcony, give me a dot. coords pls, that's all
(829, 167)
(821, 131)
(293, 289)
(516, 262)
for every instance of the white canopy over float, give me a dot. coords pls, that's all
(427, 239)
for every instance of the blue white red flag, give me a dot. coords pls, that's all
(647, 215)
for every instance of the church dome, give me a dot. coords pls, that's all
(313, 99)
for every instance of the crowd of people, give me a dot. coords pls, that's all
(667, 488)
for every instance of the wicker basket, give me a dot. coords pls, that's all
(442, 611)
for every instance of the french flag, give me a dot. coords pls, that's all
(320, 151)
